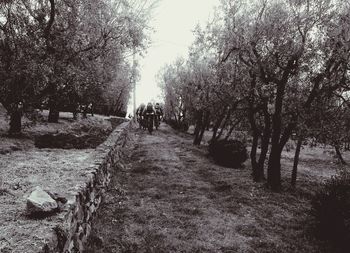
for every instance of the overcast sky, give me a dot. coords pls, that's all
(173, 22)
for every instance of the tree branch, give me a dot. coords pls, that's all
(48, 27)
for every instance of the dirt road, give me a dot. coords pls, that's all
(169, 197)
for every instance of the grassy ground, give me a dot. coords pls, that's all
(170, 197)
(22, 167)
(97, 125)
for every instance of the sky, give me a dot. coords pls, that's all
(173, 23)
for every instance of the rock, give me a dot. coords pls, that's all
(60, 199)
(57, 196)
(40, 201)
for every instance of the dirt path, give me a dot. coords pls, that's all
(170, 198)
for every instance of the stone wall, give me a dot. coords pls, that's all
(71, 233)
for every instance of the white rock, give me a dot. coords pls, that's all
(40, 201)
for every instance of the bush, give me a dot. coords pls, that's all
(83, 138)
(331, 210)
(228, 153)
(181, 126)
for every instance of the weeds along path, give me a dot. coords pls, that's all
(170, 198)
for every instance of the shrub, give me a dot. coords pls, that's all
(229, 153)
(331, 210)
(181, 126)
(68, 140)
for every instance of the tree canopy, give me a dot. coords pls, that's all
(68, 52)
(265, 66)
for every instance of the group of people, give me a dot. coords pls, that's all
(149, 113)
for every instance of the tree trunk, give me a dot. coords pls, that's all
(265, 141)
(256, 170)
(274, 169)
(207, 127)
(15, 122)
(232, 127)
(227, 118)
(197, 130)
(296, 161)
(85, 111)
(339, 155)
(204, 124)
(274, 165)
(54, 113)
(217, 124)
(75, 112)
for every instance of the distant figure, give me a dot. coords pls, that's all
(90, 109)
(16, 114)
(159, 114)
(20, 107)
(76, 109)
(43, 105)
(139, 114)
(83, 110)
(148, 116)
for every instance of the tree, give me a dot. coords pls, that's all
(52, 49)
(275, 60)
(20, 77)
(279, 49)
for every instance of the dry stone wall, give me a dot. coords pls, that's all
(73, 230)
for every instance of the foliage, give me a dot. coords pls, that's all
(70, 52)
(229, 153)
(269, 66)
(331, 210)
(181, 126)
(90, 139)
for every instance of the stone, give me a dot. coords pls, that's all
(39, 201)
(60, 200)
(58, 197)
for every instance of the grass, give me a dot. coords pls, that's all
(23, 166)
(175, 199)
